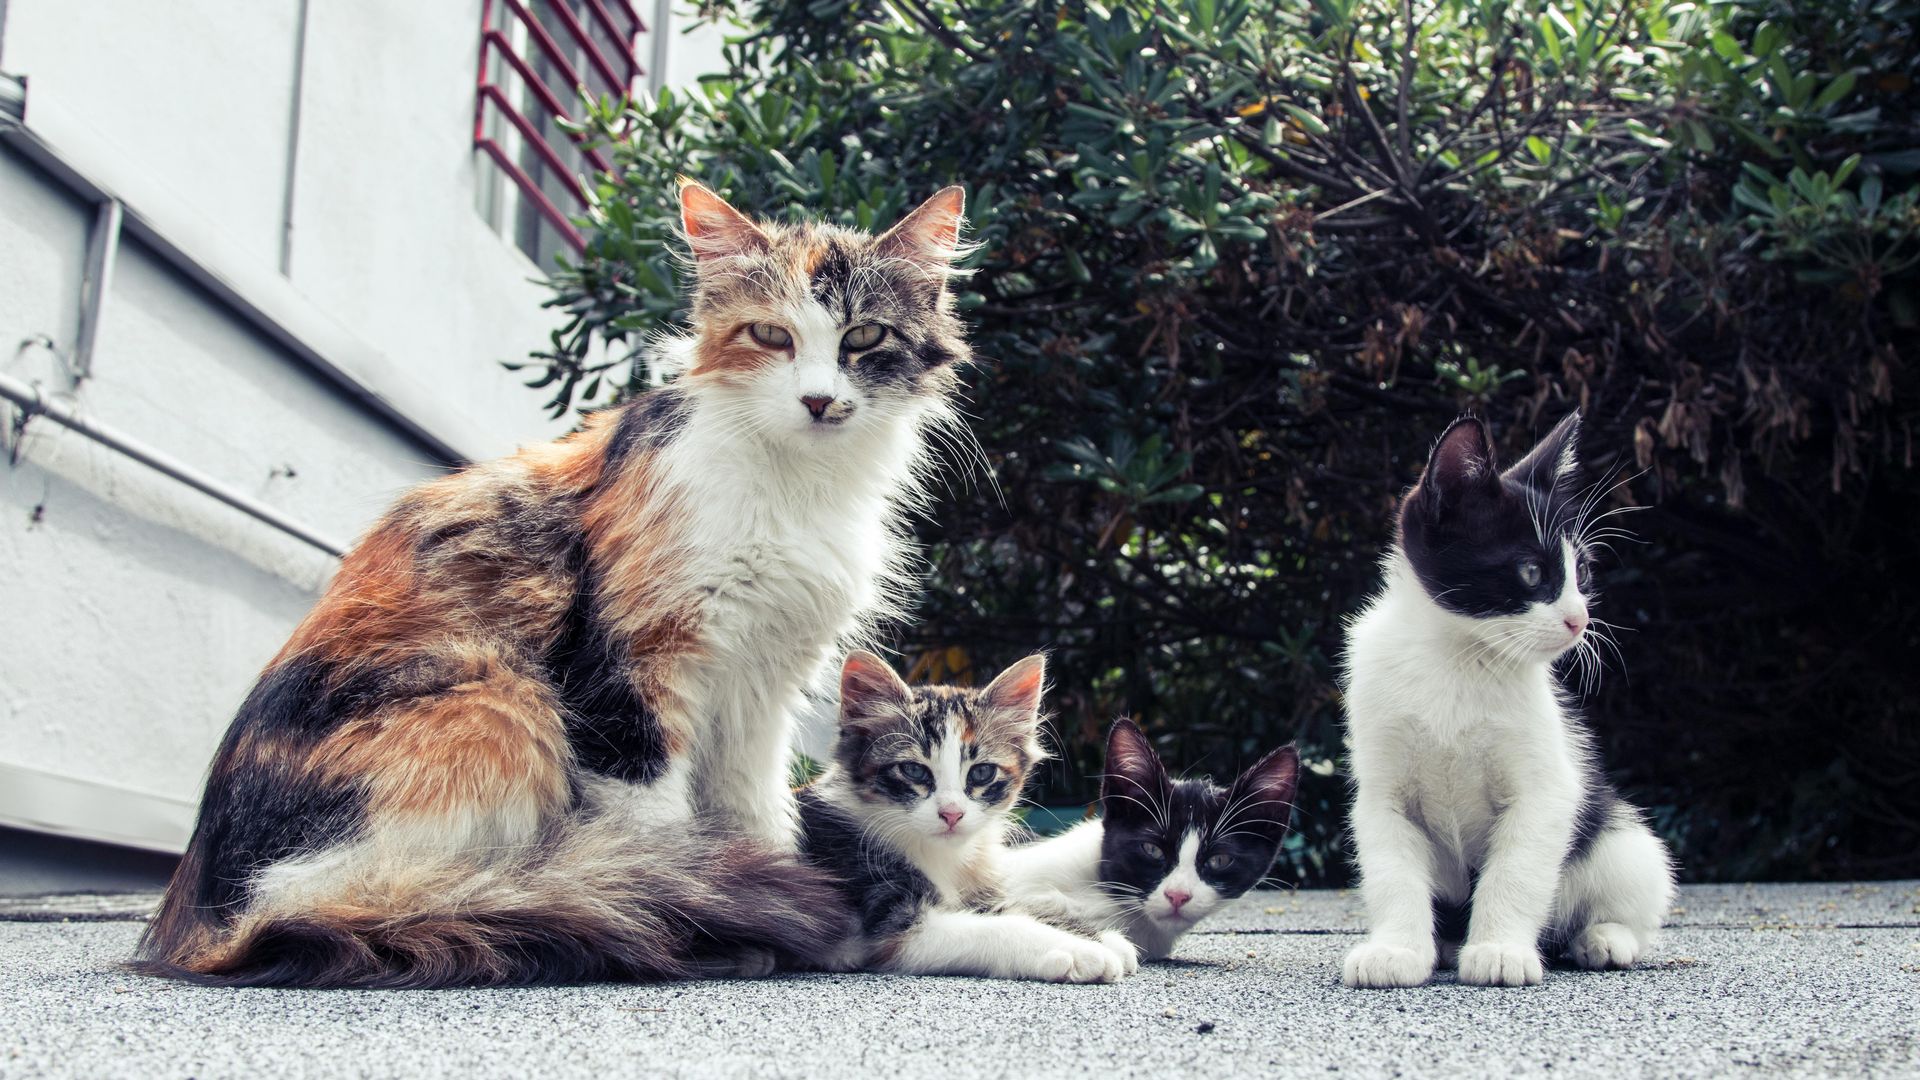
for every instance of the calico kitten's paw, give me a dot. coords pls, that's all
(1128, 953)
(1606, 945)
(1500, 965)
(1375, 965)
(1081, 961)
(748, 963)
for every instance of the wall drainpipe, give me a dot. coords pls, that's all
(29, 397)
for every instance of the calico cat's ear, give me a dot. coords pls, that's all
(1462, 462)
(1554, 460)
(931, 234)
(714, 229)
(1136, 782)
(1016, 692)
(1263, 795)
(870, 691)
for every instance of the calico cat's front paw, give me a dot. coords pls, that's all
(1606, 945)
(1125, 949)
(1376, 965)
(1082, 961)
(1500, 965)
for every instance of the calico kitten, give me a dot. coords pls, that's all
(537, 729)
(1482, 820)
(1164, 853)
(912, 818)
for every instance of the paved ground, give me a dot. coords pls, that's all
(1775, 980)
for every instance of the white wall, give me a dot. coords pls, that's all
(134, 611)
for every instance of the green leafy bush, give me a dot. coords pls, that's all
(1242, 262)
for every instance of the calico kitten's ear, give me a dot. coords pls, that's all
(1462, 462)
(714, 229)
(870, 691)
(1263, 795)
(1554, 460)
(1017, 690)
(931, 234)
(1136, 782)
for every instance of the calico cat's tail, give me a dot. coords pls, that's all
(591, 904)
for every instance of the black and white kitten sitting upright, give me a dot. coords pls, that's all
(1164, 853)
(1482, 820)
(912, 819)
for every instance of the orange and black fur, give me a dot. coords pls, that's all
(536, 729)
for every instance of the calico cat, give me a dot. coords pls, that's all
(537, 729)
(912, 818)
(1164, 853)
(1485, 828)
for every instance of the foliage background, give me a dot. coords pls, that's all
(1242, 262)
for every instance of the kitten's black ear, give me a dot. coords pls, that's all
(1554, 460)
(1135, 784)
(1461, 463)
(715, 230)
(1263, 795)
(931, 234)
(870, 691)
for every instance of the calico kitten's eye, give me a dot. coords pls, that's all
(865, 336)
(1530, 574)
(1222, 861)
(916, 772)
(773, 337)
(1152, 851)
(982, 773)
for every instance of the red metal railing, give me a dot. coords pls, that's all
(497, 41)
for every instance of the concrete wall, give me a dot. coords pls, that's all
(135, 611)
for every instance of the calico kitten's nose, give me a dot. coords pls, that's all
(1176, 898)
(1575, 624)
(817, 404)
(952, 815)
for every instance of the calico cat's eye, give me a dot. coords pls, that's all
(916, 772)
(1530, 574)
(982, 773)
(1152, 851)
(773, 337)
(1222, 861)
(864, 336)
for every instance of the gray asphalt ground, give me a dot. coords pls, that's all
(1792, 980)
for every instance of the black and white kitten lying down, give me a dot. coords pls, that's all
(1164, 853)
(912, 819)
(1482, 820)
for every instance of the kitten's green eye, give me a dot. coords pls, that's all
(1530, 574)
(1152, 851)
(1222, 861)
(916, 772)
(864, 336)
(773, 337)
(982, 773)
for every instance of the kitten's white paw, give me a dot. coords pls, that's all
(1606, 945)
(1375, 965)
(1500, 965)
(1128, 953)
(1081, 961)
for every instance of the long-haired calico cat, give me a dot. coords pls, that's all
(1484, 826)
(1164, 853)
(912, 818)
(537, 728)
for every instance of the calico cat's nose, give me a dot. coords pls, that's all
(952, 815)
(1176, 898)
(1575, 624)
(817, 404)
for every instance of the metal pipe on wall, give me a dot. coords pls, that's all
(29, 397)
